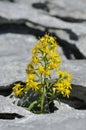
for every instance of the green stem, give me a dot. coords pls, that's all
(42, 99)
(32, 105)
(44, 87)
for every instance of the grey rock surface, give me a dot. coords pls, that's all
(15, 53)
(21, 23)
(78, 70)
(65, 118)
(6, 106)
(67, 24)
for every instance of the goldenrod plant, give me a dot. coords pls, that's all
(45, 61)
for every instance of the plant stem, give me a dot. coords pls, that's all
(42, 99)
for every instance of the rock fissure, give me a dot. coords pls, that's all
(70, 19)
(10, 116)
(18, 26)
(22, 22)
(77, 98)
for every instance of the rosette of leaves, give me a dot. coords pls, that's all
(39, 91)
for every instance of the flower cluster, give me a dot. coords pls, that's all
(63, 84)
(45, 60)
(18, 89)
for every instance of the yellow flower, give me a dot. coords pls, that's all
(32, 85)
(30, 68)
(30, 77)
(60, 88)
(64, 74)
(42, 40)
(53, 65)
(54, 90)
(63, 86)
(54, 46)
(69, 76)
(40, 69)
(47, 72)
(53, 55)
(61, 73)
(67, 93)
(18, 89)
(35, 49)
(58, 61)
(46, 50)
(29, 71)
(66, 84)
(35, 59)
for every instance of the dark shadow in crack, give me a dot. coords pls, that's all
(19, 26)
(74, 102)
(20, 29)
(77, 97)
(7, 90)
(70, 19)
(10, 116)
(70, 50)
(42, 6)
(12, 0)
(72, 35)
(8, 0)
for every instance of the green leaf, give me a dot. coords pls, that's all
(32, 105)
(49, 94)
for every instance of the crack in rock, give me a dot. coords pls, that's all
(28, 23)
(7, 90)
(42, 6)
(18, 26)
(10, 116)
(77, 98)
(70, 19)
(79, 92)
(69, 49)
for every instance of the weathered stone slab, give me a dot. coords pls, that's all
(7, 107)
(24, 13)
(60, 119)
(15, 52)
(67, 20)
(78, 70)
(63, 8)
(65, 118)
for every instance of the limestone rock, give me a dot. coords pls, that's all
(62, 119)
(7, 107)
(67, 28)
(15, 53)
(21, 23)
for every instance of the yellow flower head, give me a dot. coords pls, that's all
(45, 61)
(30, 77)
(36, 49)
(52, 65)
(35, 59)
(47, 72)
(18, 89)
(53, 55)
(40, 69)
(46, 50)
(65, 74)
(33, 85)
